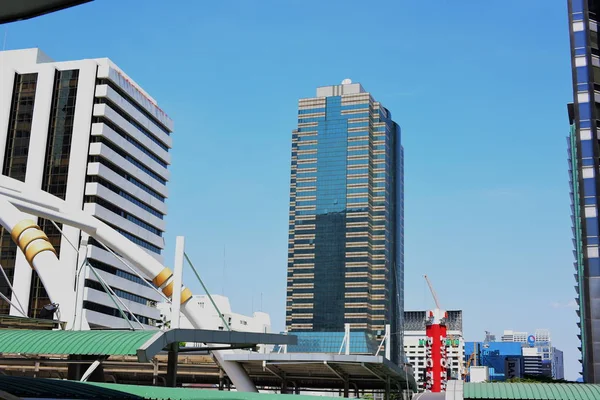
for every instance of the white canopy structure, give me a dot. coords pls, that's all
(17, 201)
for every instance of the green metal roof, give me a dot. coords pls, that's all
(143, 344)
(532, 391)
(160, 393)
(73, 342)
(58, 389)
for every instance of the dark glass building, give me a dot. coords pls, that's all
(346, 221)
(585, 185)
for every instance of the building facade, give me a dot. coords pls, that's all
(512, 336)
(346, 232)
(494, 356)
(415, 346)
(558, 366)
(538, 356)
(585, 185)
(85, 132)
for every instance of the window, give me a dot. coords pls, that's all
(116, 169)
(122, 213)
(88, 305)
(89, 283)
(19, 127)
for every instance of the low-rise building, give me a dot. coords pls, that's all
(258, 322)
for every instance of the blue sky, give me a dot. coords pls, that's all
(480, 90)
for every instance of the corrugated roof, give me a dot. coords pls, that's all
(160, 393)
(58, 389)
(532, 391)
(73, 342)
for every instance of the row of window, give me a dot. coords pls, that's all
(134, 103)
(128, 157)
(102, 309)
(135, 239)
(121, 293)
(116, 189)
(119, 171)
(132, 121)
(131, 140)
(113, 270)
(122, 213)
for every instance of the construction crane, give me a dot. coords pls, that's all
(469, 362)
(435, 298)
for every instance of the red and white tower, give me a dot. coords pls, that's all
(436, 354)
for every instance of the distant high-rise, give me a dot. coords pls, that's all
(346, 234)
(585, 184)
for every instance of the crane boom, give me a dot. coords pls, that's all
(435, 298)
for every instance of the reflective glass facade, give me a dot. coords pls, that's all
(15, 166)
(56, 167)
(584, 168)
(19, 129)
(330, 342)
(346, 217)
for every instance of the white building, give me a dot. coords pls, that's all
(259, 321)
(414, 343)
(85, 132)
(512, 336)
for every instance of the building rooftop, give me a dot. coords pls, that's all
(346, 87)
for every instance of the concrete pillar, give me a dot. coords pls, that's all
(388, 389)
(221, 379)
(172, 365)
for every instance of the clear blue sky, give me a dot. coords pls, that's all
(479, 87)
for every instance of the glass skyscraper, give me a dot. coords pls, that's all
(346, 233)
(584, 150)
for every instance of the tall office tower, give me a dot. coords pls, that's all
(584, 169)
(346, 232)
(85, 132)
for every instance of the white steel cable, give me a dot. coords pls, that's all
(134, 271)
(20, 308)
(108, 288)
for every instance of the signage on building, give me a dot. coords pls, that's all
(512, 367)
(531, 340)
(436, 358)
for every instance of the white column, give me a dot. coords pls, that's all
(78, 156)
(80, 321)
(347, 337)
(388, 342)
(177, 281)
